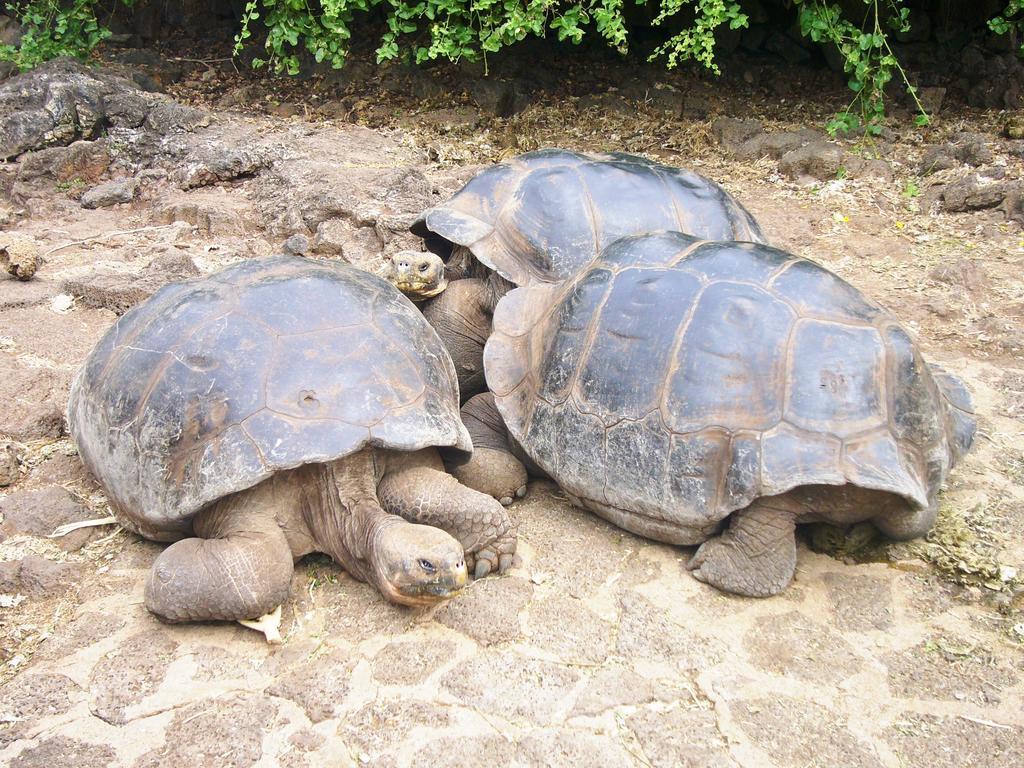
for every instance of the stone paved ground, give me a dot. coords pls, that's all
(599, 649)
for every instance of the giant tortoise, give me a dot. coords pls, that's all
(277, 408)
(541, 217)
(674, 385)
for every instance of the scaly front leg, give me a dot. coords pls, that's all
(416, 488)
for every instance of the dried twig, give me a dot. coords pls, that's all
(207, 62)
(64, 530)
(989, 723)
(106, 235)
(200, 61)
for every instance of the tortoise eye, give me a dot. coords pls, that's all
(423, 267)
(427, 566)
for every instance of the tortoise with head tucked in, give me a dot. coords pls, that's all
(277, 408)
(676, 386)
(539, 218)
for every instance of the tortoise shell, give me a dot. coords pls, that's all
(210, 386)
(544, 215)
(679, 380)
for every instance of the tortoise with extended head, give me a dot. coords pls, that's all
(676, 384)
(277, 408)
(541, 217)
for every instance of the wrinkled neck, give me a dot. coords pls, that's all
(347, 529)
(463, 264)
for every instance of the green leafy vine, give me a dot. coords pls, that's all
(867, 56)
(425, 30)
(1010, 22)
(51, 28)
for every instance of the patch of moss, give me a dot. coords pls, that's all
(962, 547)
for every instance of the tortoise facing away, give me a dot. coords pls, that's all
(675, 386)
(277, 408)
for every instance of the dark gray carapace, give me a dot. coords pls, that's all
(544, 215)
(674, 381)
(213, 385)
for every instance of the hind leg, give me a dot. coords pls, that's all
(492, 469)
(756, 556)
(238, 567)
(901, 522)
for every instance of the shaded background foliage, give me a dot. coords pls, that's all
(871, 41)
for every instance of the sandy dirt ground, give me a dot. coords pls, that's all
(598, 648)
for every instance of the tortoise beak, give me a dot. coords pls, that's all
(460, 578)
(418, 290)
(451, 583)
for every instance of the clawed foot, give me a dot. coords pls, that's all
(498, 556)
(269, 624)
(722, 564)
(507, 499)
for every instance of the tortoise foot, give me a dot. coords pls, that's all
(236, 576)
(756, 557)
(497, 557)
(497, 473)
(723, 565)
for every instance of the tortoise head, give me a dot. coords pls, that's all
(417, 565)
(419, 275)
